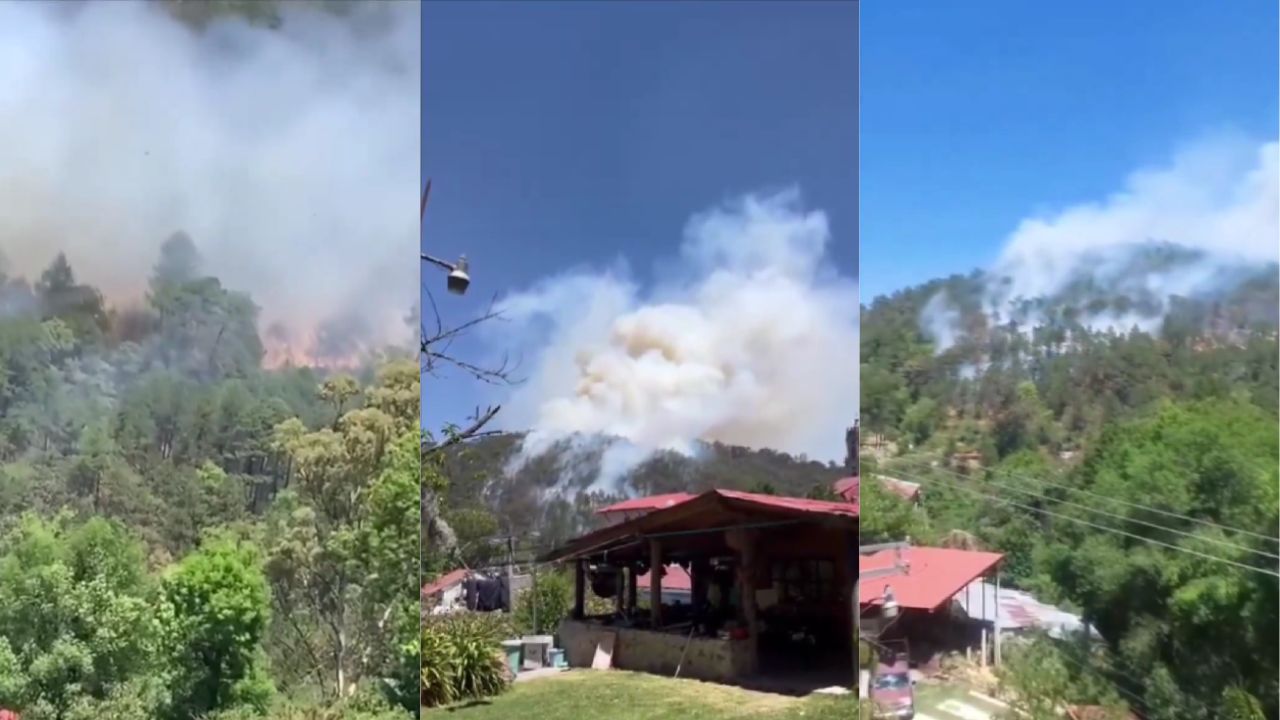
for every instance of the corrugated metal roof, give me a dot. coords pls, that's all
(823, 507)
(933, 575)
(653, 502)
(1018, 610)
(676, 578)
(902, 488)
(847, 488)
(445, 581)
(714, 510)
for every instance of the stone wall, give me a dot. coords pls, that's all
(658, 652)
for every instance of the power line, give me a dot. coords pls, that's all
(1117, 516)
(1274, 539)
(1207, 556)
(1109, 669)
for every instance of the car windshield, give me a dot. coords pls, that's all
(897, 681)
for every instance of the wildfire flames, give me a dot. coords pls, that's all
(281, 353)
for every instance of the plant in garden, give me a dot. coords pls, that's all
(551, 601)
(460, 657)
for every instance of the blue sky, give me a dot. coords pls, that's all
(972, 120)
(564, 134)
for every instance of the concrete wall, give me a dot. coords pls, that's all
(657, 652)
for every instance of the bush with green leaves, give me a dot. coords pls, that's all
(549, 603)
(366, 704)
(220, 605)
(461, 657)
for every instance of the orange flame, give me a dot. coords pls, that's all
(280, 354)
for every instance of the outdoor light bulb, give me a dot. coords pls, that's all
(890, 605)
(459, 280)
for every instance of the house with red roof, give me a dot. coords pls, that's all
(924, 586)
(769, 580)
(445, 591)
(847, 488)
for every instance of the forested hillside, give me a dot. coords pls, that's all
(938, 365)
(184, 533)
(1120, 447)
(555, 494)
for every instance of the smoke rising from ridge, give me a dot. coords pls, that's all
(752, 340)
(1216, 205)
(290, 157)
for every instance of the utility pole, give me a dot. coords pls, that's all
(511, 561)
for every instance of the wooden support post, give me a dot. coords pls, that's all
(579, 588)
(619, 582)
(655, 583)
(633, 582)
(744, 541)
(700, 572)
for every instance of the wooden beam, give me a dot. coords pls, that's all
(579, 588)
(655, 583)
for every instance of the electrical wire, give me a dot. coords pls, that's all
(1157, 526)
(1206, 556)
(1188, 518)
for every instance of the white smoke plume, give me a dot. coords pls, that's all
(1218, 198)
(289, 155)
(753, 341)
(940, 322)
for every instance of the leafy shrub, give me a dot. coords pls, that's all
(366, 704)
(553, 597)
(461, 658)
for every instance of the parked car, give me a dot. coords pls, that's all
(893, 693)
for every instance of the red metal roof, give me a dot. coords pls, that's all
(847, 488)
(445, 581)
(653, 502)
(933, 575)
(822, 507)
(906, 490)
(713, 511)
(661, 502)
(676, 578)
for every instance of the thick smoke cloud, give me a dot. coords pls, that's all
(289, 155)
(1217, 202)
(752, 340)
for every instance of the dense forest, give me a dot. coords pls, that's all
(185, 534)
(1120, 447)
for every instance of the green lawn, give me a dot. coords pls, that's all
(620, 695)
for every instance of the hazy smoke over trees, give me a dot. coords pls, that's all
(1190, 227)
(285, 158)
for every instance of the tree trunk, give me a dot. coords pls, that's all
(439, 537)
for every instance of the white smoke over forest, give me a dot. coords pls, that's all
(289, 155)
(750, 339)
(1213, 210)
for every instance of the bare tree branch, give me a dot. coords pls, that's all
(469, 433)
(436, 344)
